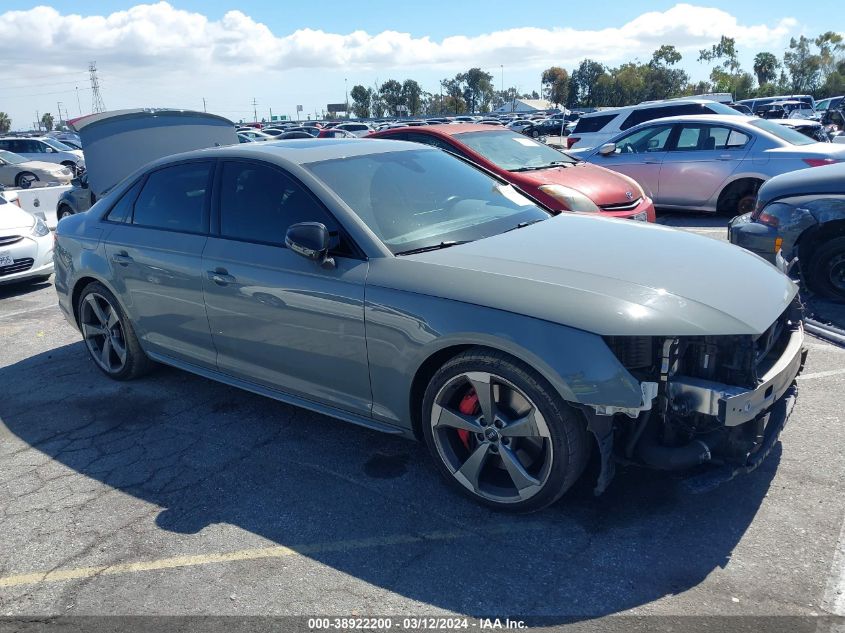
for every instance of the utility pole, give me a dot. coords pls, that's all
(38, 120)
(346, 96)
(78, 103)
(97, 104)
(203, 105)
(59, 108)
(255, 109)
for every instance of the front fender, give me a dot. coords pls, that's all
(405, 329)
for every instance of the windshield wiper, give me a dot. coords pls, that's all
(433, 247)
(554, 163)
(522, 225)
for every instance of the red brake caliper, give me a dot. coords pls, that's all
(468, 406)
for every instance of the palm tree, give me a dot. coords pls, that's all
(47, 121)
(765, 67)
(5, 123)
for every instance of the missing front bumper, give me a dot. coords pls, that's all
(732, 405)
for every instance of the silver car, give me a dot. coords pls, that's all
(395, 286)
(709, 162)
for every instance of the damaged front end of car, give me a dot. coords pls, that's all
(715, 400)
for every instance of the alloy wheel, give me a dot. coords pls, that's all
(491, 437)
(836, 271)
(103, 333)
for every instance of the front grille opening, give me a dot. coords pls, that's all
(634, 352)
(19, 266)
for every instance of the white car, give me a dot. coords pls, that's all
(45, 149)
(596, 128)
(358, 129)
(26, 244)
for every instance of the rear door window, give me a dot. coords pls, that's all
(593, 123)
(174, 198)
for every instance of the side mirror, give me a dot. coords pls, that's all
(50, 150)
(607, 149)
(311, 241)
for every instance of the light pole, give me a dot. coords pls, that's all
(502, 84)
(346, 96)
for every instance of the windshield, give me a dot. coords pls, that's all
(513, 151)
(12, 159)
(783, 132)
(422, 198)
(720, 108)
(57, 145)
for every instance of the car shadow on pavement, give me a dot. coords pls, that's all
(21, 288)
(209, 454)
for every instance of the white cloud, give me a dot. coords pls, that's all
(158, 55)
(161, 35)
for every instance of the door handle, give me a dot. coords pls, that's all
(122, 258)
(221, 277)
(725, 157)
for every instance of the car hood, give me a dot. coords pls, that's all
(602, 275)
(828, 179)
(12, 217)
(120, 142)
(51, 168)
(600, 185)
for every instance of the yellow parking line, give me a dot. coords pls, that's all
(278, 551)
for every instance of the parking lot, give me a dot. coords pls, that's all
(177, 495)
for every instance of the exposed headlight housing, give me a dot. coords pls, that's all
(39, 229)
(570, 198)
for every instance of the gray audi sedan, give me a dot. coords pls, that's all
(400, 288)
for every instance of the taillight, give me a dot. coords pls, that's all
(819, 162)
(571, 140)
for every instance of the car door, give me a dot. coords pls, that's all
(160, 227)
(640, 155)
(700, 160)
(278, 319)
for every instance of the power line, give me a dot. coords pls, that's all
(43, 94)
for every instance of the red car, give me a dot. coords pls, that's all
(559, 181)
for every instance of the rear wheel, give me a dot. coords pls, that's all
(739, 197)
(63, 212)
(826, 271)
(109, 336)
(500, 434)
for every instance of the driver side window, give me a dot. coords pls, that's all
(650, 139)
(259, 202)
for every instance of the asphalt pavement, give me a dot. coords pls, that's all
(175, 495)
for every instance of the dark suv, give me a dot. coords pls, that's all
(75, 200)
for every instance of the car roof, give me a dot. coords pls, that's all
(301, 151)
(447, 129)
(648, 104)
(736, 119)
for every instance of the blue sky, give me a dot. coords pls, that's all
(285, 54)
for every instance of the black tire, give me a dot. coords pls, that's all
(567, 430)
(825, 273)
(63, 212)
(738, 198)
(25, 179)
(136, 362)
(534, 134)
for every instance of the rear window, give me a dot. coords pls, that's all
(593, 123)
(784, 133)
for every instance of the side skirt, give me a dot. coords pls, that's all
(296, 401)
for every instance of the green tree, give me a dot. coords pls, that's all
(666, 55)
(766, 66)
(390, 93)
(555, 82)
(725, 51)
(5, 123)
(361, 100)
(412, 96)
(477, 88)
(583, 81)
(453, 100)
(829, 44)
(803, 66)
(47, 121)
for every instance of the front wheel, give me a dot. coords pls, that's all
(109, 336)
(500, 434)
(64, 212)
(826, 270)
(25, 179)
